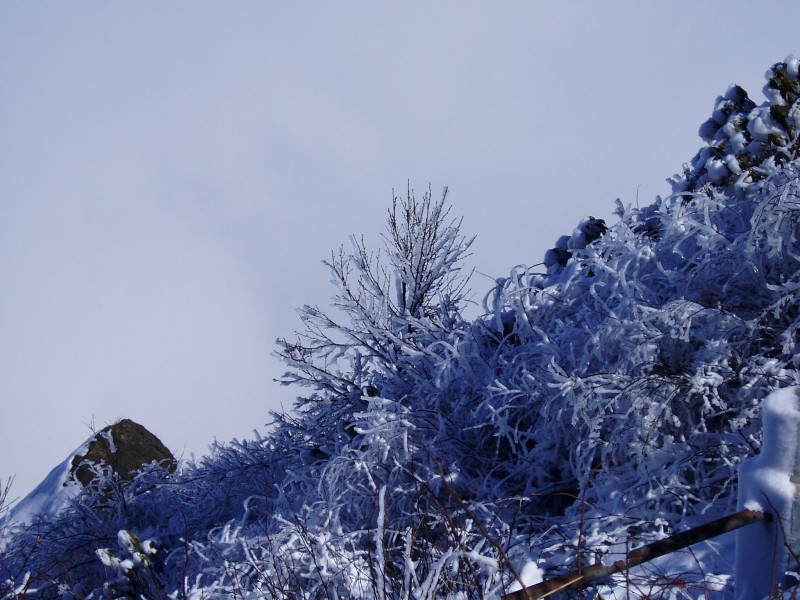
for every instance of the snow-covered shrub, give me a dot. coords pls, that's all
(638, 359)
(746, 142)
(604, 397)
(56, 553)
(130, 567)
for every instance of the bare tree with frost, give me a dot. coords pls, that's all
(385, 302)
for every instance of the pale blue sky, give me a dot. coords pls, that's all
(172, 174)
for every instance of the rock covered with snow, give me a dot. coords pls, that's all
(124, 447)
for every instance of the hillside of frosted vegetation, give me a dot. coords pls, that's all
(605, 398)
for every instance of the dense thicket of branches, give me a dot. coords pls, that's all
(434, 456)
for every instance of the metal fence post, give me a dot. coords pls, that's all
(769, 482)
(793, 533)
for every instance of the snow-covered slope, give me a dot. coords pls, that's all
(48, 498)
(606, 397)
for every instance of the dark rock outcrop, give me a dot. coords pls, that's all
(125, 447)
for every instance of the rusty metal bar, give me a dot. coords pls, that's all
(673, 543)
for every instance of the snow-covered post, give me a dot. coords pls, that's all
(769, 483)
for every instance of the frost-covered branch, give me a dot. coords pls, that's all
(388, 307)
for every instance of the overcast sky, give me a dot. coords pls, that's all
(173, 174)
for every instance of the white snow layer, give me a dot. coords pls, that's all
(531, 574)
(765, 484)
(48, 498)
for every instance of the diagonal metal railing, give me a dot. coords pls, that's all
(673, 543)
